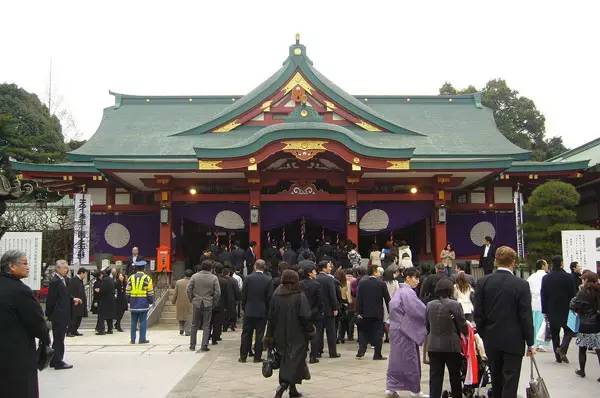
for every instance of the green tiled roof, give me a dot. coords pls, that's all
(540, 167)
(175, 126)
(589, 151)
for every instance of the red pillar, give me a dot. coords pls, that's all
(352, 229)
(254, 230)
(166, 230)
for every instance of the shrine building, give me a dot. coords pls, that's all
(298, 157)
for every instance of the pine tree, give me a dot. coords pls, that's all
(549, 210)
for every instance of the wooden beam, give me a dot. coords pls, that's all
(210, 197)
(408, 197)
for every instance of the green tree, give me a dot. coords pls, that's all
(31, 133)
(516, 116)
(549, 210)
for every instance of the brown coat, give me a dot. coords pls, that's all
(180, 299)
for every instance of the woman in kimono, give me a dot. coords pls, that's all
(289, 331)
(407, 333)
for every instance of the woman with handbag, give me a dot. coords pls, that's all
(587, 305)
(288, 333)
(445, 322)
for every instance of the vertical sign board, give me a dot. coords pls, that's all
(518, 202)
(583, 247)
(81, 229)
(31, 244)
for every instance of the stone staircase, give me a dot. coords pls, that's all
(168, 317)
(90, 321)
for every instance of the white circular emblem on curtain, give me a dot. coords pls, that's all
(229, 220)
(480, 231)
(374, 220)
(117, 235)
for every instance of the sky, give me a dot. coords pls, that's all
(547, 50)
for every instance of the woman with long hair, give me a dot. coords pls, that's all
(288, 332)
(448, 257)
(390, 277)
(344, 312)
(587, 305)
(121, 301)
(462, 293)
(375, 255)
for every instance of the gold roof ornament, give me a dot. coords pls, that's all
(367, 126)
(209, 165)
(227, 127)
(398, 165)
(297, 80)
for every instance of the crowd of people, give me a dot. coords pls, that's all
(299, 305)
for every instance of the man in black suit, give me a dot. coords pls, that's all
(305, 261)
(557, 291)
(256, 296)
(505, 322)
(488, 253)
(289, 254)
(237, 257)
(326, 251)
(58, 310)
(77, 290)
(371, 296)
(131, 260)
(219, 309)
(250, 257)
(427, 292)
(331, 306)
(312, 290)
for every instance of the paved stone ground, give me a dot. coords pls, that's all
(110, 366)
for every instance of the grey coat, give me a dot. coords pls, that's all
(204, 289)
(445, 319)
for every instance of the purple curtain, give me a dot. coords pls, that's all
(460, 226)
(400, 214)
(143, 231)
(205, 213)
(331, 216)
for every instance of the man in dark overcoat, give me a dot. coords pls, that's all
(21, 322)
(107, 305)
(59, 305)
(77, 290)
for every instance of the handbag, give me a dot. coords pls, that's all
(537, 386)
(270, 364)
(44, 356)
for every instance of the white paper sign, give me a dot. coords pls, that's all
(31, 244)
(583, 247)
(81, 229)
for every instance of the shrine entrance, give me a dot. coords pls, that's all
(296, 222)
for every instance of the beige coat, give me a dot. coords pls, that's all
(181, 301)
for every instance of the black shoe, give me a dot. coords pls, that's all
(562, 355)
(379, 358)
(119, 329)
(132, 342)
(62, 366)
(204, 348)
(580, 373)
(78, 334)
(219, 339)
(181, 332)
(242, 360)
(359, 355)
(336, 355)
(257, 360)
(109, 332)
(215, 343)
(280, 390)
(192, 348)
(313, 360)
(70, 335)
(250, 353)
(100, 333)
(144, 342)
(294, 393)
